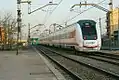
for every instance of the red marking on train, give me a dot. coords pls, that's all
(90, 46)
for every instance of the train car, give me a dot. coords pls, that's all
(83, 35)
(34, 41)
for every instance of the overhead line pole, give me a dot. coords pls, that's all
(19, 20)
(29, 33)
(118, 26)
(100, 26)
(111, 21)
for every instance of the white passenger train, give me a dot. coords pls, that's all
(83, 35)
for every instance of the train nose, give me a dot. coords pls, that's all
(90, 43)
(90, 49)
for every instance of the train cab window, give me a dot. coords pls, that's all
(88, 30)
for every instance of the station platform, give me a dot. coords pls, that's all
(28, 65)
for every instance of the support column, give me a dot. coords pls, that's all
(18, 23)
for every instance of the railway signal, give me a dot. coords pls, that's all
(19, 20)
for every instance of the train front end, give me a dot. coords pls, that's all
(91, 38)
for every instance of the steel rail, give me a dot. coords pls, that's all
(72, 74)
(88, 65)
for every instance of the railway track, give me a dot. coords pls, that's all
(81, 67)
(72, 74)
(105, 57)
(110, 59)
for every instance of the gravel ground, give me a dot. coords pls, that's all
(102, 58)
(82, 71)
(103, 65)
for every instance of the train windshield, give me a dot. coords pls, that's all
(88, 28)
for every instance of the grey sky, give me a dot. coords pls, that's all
(60, 14)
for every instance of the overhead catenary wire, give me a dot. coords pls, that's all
(45, 18)
(83, 12)
(56, 6)
(74, 11)
(53, 10)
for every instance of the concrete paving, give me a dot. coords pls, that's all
(28, 65)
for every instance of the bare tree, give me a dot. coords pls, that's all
(8, 24)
